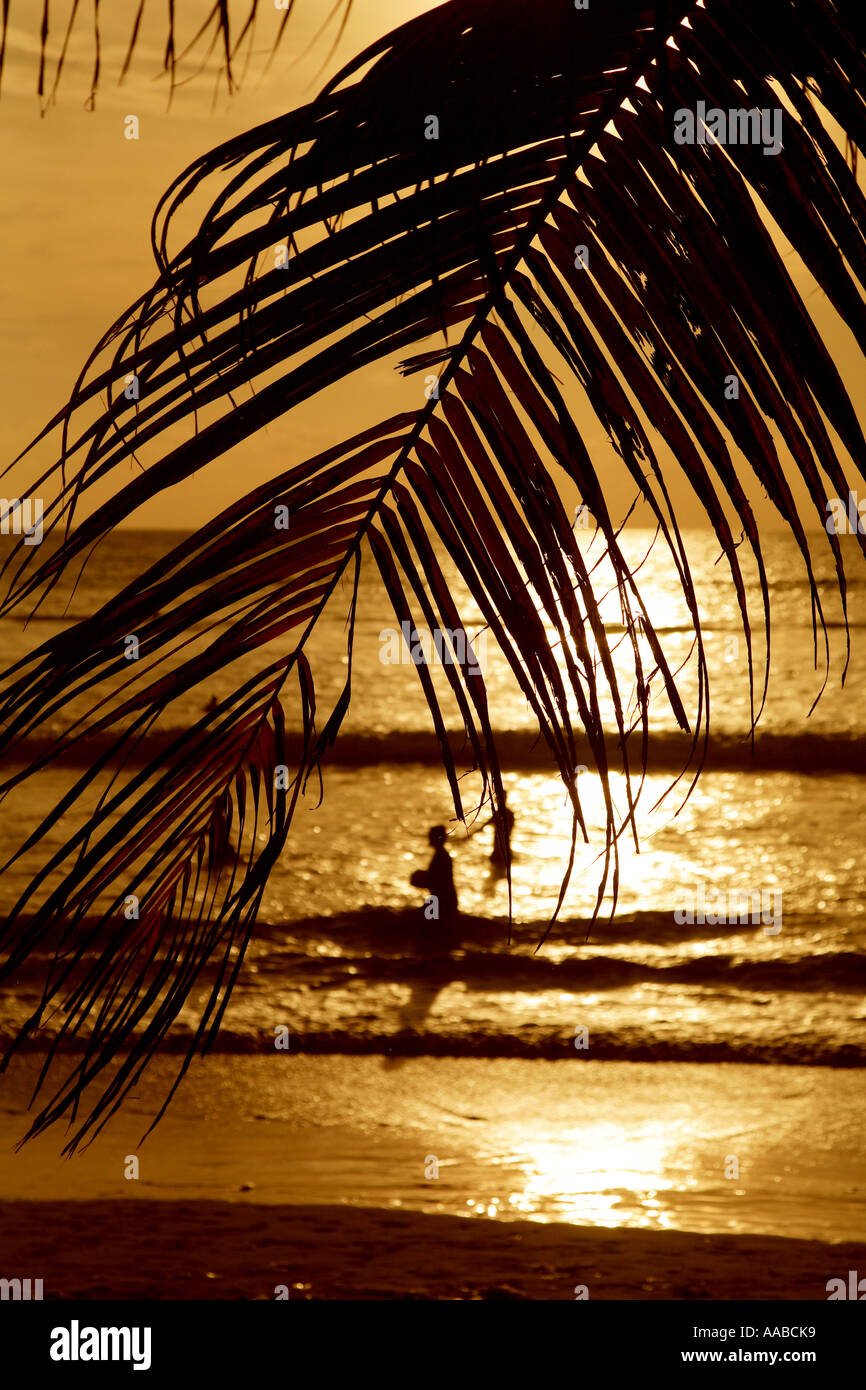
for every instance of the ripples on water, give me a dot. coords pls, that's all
(341, 960)
(793, 832)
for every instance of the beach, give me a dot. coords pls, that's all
(668, 1104)
(213, 1250)
(376, 1177)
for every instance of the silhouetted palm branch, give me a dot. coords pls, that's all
(554, 132)
(216, 34)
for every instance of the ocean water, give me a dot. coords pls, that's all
(343, 960)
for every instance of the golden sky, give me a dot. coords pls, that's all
(78, 199)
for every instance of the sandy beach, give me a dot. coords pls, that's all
(313, 1173)
(216, 1250)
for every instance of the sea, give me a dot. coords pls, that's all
(760, 1021)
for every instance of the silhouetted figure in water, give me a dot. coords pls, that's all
(438, 880)
(501, 854)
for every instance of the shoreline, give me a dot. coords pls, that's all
(600, 1146)
(139, 1249)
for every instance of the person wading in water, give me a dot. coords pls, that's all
(438, 880)
(500, 855)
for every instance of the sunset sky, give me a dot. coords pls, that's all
(78, 199)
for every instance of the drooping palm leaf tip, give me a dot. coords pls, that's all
(462, 255)
(230, 44)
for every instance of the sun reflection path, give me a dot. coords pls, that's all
(601, 1175)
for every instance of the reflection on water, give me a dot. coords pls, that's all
(676, 1146)
(740, 831)
(649, 985)
(386, 697)
(613, 1143)
(601, 1175)
(707, 1149)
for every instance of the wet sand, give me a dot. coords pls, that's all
(213, 1250)
(315, 1173)
(727, 1149)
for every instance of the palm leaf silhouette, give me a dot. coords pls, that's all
(216, 34)
(551, 226)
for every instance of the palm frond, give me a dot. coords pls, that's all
(224, 30)
(557, 246)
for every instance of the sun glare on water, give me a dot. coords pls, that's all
(601, 1175)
